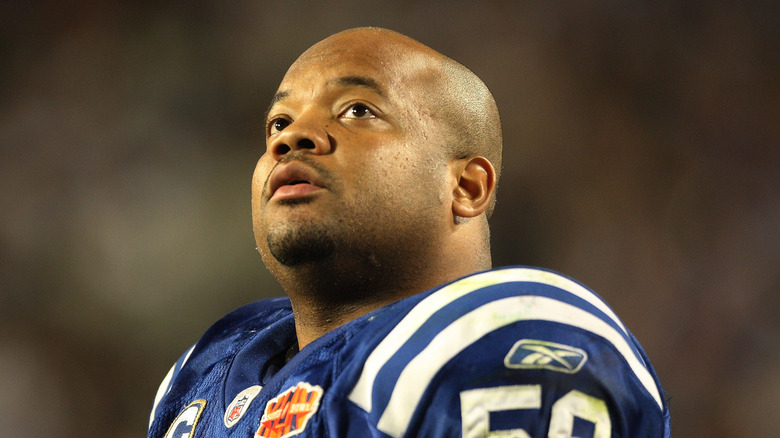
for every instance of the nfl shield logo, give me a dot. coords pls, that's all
(240, 404)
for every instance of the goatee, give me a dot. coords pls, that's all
(293, 246)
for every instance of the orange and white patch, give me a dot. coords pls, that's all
(287, 414)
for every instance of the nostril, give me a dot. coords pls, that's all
(306, 143)
(282, 149)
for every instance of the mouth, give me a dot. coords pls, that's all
(293, 181)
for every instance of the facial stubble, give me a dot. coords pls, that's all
(294, 244)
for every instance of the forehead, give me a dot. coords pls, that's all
(326, 68)
(397, 68)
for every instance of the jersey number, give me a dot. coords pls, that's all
(477, 404)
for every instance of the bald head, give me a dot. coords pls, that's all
(381, 160)
(470, 114)
(449, 93)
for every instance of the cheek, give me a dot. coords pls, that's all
(412, 180)
(259, 177)
(420, 168)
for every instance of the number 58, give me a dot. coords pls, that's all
(477, 404)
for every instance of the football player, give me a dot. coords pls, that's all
(370, 206)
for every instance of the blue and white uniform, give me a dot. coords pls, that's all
(514, 352)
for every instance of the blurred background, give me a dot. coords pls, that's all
(642, 157)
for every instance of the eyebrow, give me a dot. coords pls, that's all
(359, 81)
(344, 81)
(277, 97)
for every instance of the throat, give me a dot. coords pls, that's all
(329, 293)
(315, 317)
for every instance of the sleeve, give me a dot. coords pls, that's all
(522, 353)
(541, 379)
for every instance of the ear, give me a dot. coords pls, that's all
(476, 179)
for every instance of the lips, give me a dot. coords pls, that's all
(292, 180)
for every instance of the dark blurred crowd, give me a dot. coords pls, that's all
(642, 157)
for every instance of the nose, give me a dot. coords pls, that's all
(306, 134)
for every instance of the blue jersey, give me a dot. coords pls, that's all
(515, 352)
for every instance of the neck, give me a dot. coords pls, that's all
(332, 292)
(323, 300)
(315, 318)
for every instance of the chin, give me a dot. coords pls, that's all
(299, 246)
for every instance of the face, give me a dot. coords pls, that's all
(352, 171)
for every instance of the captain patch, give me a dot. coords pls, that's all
(184, 425)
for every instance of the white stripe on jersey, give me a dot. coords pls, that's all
(361, 393)
(165, 385)
(466, 330)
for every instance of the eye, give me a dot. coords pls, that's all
(358, 111)
(277, 125)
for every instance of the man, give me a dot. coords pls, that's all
(370, 207)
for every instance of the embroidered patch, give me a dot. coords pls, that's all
(530, 353)
(240, 404)
(287, 414)
(184, 425)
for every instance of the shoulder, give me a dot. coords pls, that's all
(238, 325)
(505, 334)
(221, 340)
(253, 316)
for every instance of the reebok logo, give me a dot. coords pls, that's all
(534, 354)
